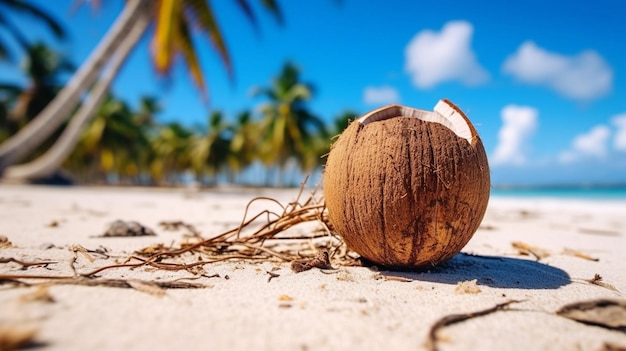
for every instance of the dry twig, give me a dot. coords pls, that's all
(579, 254)
(597, 280)
(256, 238)
(457, 318)
(525, 249)
(26, 264)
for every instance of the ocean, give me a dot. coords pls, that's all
(564, 192)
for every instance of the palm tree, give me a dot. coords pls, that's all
(243, 143)
(18, 8)
(209, 151)
(172, 38)
(288, 126)
(112, 142)
(44, 68)
(171, 153)
(149, 106)
(8, 95)
(341, 122)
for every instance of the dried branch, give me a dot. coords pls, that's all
(26, 264)
(457, 318)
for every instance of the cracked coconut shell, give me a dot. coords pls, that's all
(406, 187)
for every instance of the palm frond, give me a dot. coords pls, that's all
(201, 15)
(168, 15)
(184, 43)
(29, 9)
(247, 10)
(273, 7)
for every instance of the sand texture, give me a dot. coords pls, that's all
(535, 254)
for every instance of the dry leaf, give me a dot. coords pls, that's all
(396, 278)
(146, 287)
(13, 337)
(607, 313)
(609, 346)
(4, 242)
(525, 249)
(75, 248)
(41, 293)
(284, 297)
(467, 287)
(153, 249)
(53, 224)
(321, 261)
(599, 231)
(579, 254)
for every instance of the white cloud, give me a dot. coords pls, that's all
(436, 57)
(519, 123)
(585, 76)
(619, 143)
(591, 144)
(567, 157)
(380, 95)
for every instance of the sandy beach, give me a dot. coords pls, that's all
(536, 254)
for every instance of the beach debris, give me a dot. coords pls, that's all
(178, 225)
(78, 249)
(528, 250)
(146, 287)
(41, 293)
(599, 231)
(485, 226)
(84, 281)
(395, 278)
(286, 301)
(606, 313)
(271, 275)
(24, 264)
(52, 224)
(579, 254)
(433, 339)
(321, 261)
(15, 336)
(467, 287)
(153, 249)
(256, 238)
(47, 246)
(127, 228)
(597, 280)
(527, 214)
(5, 243)
(609, 346)
(285, 297)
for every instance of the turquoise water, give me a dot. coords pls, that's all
(595, 193)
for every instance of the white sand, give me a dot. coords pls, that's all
(353, 309)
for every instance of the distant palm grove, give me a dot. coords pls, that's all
(119, 144)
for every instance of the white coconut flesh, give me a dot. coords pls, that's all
(444, 113)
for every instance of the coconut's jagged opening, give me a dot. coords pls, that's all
(444, 113)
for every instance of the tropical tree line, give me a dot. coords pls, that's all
(81, 125)
(128, 145)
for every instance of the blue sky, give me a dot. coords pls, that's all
(544, 82)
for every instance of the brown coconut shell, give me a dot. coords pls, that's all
(407, 187)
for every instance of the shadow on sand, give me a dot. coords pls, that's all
(493, 271)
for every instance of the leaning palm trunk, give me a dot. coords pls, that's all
(23, 143)
(50, 161)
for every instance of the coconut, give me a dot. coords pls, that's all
(407, 187)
